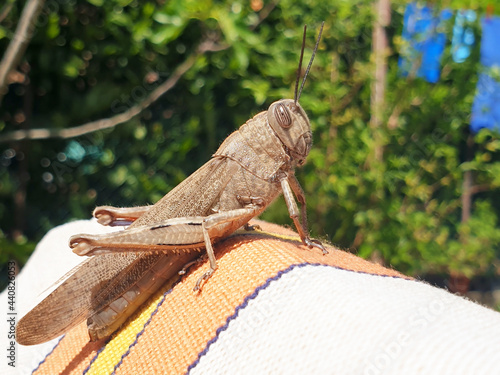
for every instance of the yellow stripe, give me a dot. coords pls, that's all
(121, 341)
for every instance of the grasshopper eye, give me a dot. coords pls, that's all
(282, 116)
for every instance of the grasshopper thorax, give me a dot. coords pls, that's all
(291, 124)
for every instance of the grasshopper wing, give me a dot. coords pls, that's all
(102, 279)
(72, 301)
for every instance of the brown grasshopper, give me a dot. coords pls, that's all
(249, 170)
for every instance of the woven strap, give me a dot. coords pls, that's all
(170, 331)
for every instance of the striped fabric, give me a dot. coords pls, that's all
(275, 306)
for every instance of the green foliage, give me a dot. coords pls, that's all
(18, 250)
(94, 59)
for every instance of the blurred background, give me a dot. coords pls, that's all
(116, 102)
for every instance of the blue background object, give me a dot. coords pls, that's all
(425, 43)
(486, 106)
(463, 35)
(490, 42)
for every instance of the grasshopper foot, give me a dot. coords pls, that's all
(107, 215)
(315, 243)
(249, 227)
(201, 259)
(103, 217)
(203, 277)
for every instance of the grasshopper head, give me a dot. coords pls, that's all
(291, 124)
(287, 118)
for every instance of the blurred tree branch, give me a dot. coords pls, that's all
(207, 45)
(19, 42)
(380, 47)
(106, 123)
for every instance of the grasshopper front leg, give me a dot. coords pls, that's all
(119, 216)
(178, 234)
(287, 185)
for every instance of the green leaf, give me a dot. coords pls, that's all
(72, 67)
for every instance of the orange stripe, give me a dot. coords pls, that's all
(73, 353)
(186, 320)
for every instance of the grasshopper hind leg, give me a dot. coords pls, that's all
(172, 235)
(119, 216)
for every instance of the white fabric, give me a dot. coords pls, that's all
(322, 320)
(50, 261)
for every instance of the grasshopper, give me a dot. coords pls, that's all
(249, 170)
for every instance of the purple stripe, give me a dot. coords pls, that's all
(257, 290)
(48, 354)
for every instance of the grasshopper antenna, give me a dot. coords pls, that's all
(297, 97)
